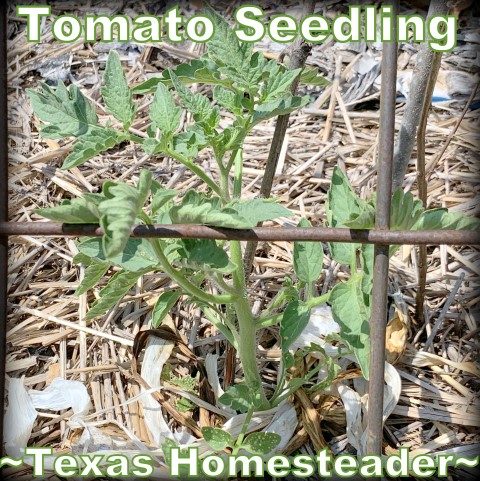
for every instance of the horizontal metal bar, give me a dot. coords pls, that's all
(189, 231)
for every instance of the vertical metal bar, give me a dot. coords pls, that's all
(378, 320)
(3, 203)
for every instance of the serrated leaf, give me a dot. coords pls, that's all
(230, 139)
(67, 111)
(294, 320)
(261, 443)
(119, 212)
(87, 146)
(250, 73)
(92, 275)
(75, 211)
(137, 255)
(163, 111)
(224, 47)
(163, 306)
(116, 93)
(441, 219)
(353, 316)
(217, 439)
(280, 106)
(118, 285)
(310, 76)
(200, 70)
(228, 100)
(205, 255)
(197, 104)
(405, 210)
(259, 210)
(196, 208)
(307, 257)
(278, 84)
(187, 144)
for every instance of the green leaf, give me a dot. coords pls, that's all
(183, 405)
(163, 111)
(250, 73)
(239, 397)
(229, 139)
(93, 273)
(224, 47)
(278, 84)
(90, 144)
(67, 111)
(310, 76)
(81, 258)
(116, 93)
(259, 210)
(294, 320)
(187, 144)
(228, 100)
(119, 212)
(197, 104)
(217, 439)
(205, 255)
(367, 256)
(405, 210)
(201, 70)
(160, 197)
(342, 205)
(261, 443)
(137, 255)
(163, 306)
(280, 106)
(118, 285)
(365, 219)
(75, 211)
(196, 208)
(167, 446)
(353, 316)
(441, 219)
(307, 258)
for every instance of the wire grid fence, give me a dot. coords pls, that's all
(380, 236)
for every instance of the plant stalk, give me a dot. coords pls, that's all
(247, 330)
(184, 283)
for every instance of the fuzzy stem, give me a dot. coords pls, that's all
(247, 339)
(184, 283)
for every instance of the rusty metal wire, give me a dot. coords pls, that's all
(267, 234)
(380, 236)
(378, 318)
(3, 201)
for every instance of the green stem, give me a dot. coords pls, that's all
(197, 171)
(276, 318)
(225, 330)
(184, 283)
(247, 339)
(280, 383)
(241, 436)
(238, 175)
(217, 277)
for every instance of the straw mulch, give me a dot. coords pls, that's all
(439, 404)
